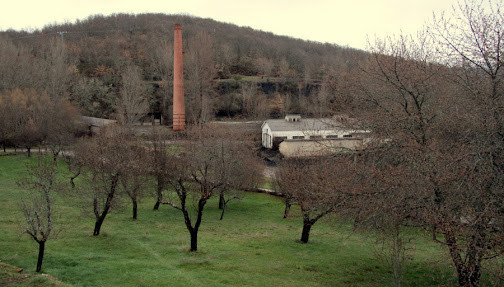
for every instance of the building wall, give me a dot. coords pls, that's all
(268, 136)
(316, 148)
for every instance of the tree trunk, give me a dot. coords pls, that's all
(28, 149)
(194, 230)
(135, 208)
(160, 187)
(74, 177)
(40, 255)
(306, 231)
(98, 225)
(194, 240)
(287, 208)
(156, 206)
(397, 249)
(468, 277)
(223, 210)
(222, 200)
(468, 270)
(108, 205)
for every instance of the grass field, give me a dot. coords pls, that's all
(252, 246)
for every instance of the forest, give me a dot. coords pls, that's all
(230, 71)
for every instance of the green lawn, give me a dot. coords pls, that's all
(252, 246)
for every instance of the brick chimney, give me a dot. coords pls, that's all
(178, 81)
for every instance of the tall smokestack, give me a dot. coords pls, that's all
(178, 81)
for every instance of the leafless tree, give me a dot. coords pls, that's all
(311, 183)
(39, 213)
(107, 157)
(74, 166)
(197, 174)
(200, 68)
(471, 42)
(134, 178)
(60, 125)
(132, 103)
(160, 157)
(400, 103)
(162, 63)
(27, 117)
(437, 156)
(265, 66)
(239, 168)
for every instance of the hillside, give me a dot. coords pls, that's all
(97, 51)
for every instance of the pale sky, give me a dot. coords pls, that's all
(342, 22)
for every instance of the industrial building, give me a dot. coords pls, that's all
(296, 136)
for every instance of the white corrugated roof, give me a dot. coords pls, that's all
(304, 125)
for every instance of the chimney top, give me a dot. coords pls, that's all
(177, 27)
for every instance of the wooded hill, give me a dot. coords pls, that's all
(229, 70)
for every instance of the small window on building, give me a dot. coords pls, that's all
(347, 136)
(332, 137)
(298, 137)
(315, 137)
(293, 118)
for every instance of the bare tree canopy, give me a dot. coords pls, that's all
(39, 214)
(206, 165)
(107, 158)
(437, 156)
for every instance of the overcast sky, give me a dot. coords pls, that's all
(342, 22)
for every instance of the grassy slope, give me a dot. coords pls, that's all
(14, 276)
(252, 246)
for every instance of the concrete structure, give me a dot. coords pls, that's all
(295, 136)
(95, 124)
(304, 148)
(178, 81)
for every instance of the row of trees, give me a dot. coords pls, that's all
(206, 161)
(28, 118)
(114, 164)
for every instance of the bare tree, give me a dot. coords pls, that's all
(162, 64)
(9, 118)
(39, 213)
(28, 117)
(134, 177)
(265, 66)
(160, 158)
(313, 186)
(74, 166)
(437, 161)
(132, 103)
(239, 168)
(107, 157)
(197, 174)
(60, 125)
(200, 69)
(54, 71)
(471, 42)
